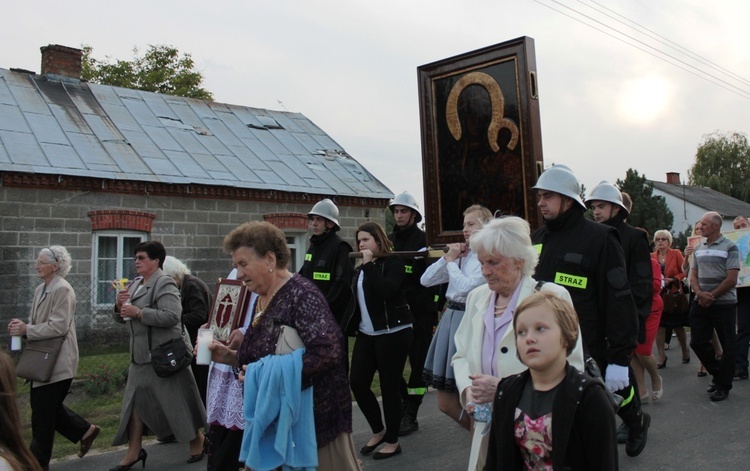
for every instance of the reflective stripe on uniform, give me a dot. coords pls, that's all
(629, 398)
(538, 248)
(308, 257)
(573, 281)
(321, 276)
(416, 391)
(407, 268)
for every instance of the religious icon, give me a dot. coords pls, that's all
(480, 135)
(228, 308)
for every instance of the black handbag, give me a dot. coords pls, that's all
(172, 356)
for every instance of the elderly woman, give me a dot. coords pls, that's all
(260, 255)
(459, 268)
(52, 316)
(485, 341)
(671, 262)
(196, 302)
(380, 318)
(150, 310)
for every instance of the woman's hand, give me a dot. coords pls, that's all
(221, 353)
(241, 374)
(483, 388)
(123, 296)
(367, 255)
(689, 251)
(16, 327)
(235, 339)
(455, 251)
(128, 311)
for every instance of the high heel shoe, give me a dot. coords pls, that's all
(142, 455)
(199, 456)
(661, 366)
(658, 392)
(686, 360)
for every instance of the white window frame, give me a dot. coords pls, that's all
(121, 235)
(299, 247)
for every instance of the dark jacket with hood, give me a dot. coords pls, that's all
(328, 266)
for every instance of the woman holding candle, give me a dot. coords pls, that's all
(151, 404)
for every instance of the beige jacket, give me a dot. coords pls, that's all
(468, 358)
(53, 315)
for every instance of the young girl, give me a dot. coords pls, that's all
(461, 269)
(551, 416)
(380, 318)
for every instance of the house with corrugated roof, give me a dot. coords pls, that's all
(98, 169)
(689, 203)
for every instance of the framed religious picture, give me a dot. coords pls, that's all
(481, 137)
(228, 309)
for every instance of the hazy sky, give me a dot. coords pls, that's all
(351, 67)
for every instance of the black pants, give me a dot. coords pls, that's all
(416, 387)
(743, 329)
(703, 322)
(385, 354)
(49, 414)
(224, 447)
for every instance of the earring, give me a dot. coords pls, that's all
(270, 270)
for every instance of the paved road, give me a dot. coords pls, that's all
(688, 432)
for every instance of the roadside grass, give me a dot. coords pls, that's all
(104, 410)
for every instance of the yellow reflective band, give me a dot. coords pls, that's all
(437, 297)
(308, 257)
(416, 391)
(321, 276)
(538, 248)
(571, 280)
(629, 398)
(407, 268)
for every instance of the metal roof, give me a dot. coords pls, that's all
(55, 125)
(703, 197)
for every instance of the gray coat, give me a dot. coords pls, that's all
(162, 315)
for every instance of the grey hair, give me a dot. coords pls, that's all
(58, 254)
(508, 236)
(175, 268)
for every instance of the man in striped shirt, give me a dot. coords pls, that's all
(713, 277)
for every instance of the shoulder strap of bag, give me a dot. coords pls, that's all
(150, 304)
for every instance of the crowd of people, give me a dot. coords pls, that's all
(528, 337)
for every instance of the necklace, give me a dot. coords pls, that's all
(259, 310)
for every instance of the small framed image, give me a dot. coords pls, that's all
(481, 137)
(228, 309)
(693, 241)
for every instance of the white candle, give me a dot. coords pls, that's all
(15, 342)
(205, 338)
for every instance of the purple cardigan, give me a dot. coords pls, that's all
(301, 305)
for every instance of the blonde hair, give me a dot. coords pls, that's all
(484, 213)
(664, 233)
(565, 315)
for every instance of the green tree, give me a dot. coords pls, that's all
(649, 212)
(679, 241)
(722, 163)
(161, 70)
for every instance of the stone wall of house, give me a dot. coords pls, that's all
(191, 229)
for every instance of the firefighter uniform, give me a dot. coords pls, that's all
(423, 305)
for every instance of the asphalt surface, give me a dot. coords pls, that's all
(688, 432)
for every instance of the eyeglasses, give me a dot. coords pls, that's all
(39, 262)
(140, 257)
(660, 239)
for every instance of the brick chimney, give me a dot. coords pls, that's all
(61, 60)
(673, 178)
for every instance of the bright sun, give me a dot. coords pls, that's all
(644, 99)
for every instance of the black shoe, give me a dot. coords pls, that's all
(637, 437)
(408, 425)
(719, 395)
(661, 366)
(367, 449)
(199, 456)
(384, 456)
(167, 439)
(712, 388)
(740, 374)
(142, 455)
(622, 433)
